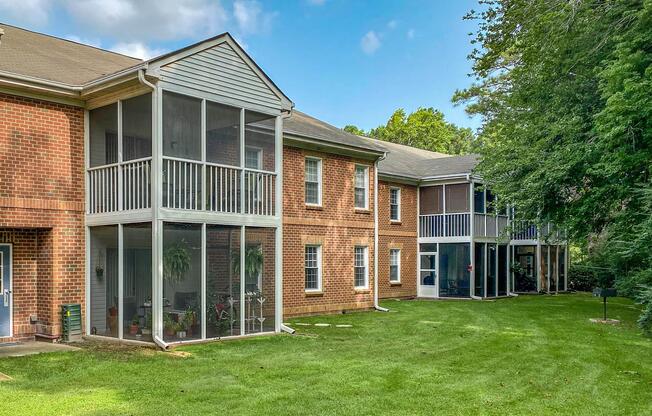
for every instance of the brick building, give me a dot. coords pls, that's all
(184, 198)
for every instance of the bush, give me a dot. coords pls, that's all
(581, 278)
(645, 320)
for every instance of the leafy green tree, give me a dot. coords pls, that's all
(565, 91)
(354, 130)
(427, 129)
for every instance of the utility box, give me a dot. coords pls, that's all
(71, 322)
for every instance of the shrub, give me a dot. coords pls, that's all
(581, 278)
(645, 320)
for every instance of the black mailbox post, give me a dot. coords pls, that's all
(604, 293)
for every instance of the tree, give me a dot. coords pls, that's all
(427, 129)
(563, 87)
(354, 130)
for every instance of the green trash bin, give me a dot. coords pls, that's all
(71, 322)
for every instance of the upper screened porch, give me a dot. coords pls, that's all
(457, 211)
(205, 140)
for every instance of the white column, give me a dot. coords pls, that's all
(157, 225)
(119, 190)
(120, 282)
(471, 237)
(243, 244)
(203, 281)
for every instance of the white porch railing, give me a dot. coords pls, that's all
(444, 225)
(184, 187)
(102, 189)
(523, 230)
(104, 186)
(136, 184)
(223, 188)
(486, 225)
(182, 183)
(260, 192)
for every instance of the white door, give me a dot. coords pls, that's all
(427, 275)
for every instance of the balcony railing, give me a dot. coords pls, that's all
(133, 178)
(184, 187)
(485, 225)
(523, 230)
(444, 225)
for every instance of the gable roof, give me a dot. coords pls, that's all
(33, 54)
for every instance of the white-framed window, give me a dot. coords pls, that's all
(312, 256)
(395, 204)
(361, 187)
(313, 181)
(253, 157)
(361, 267)
(394, 265)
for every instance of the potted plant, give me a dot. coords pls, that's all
(180, 330)
(253, 263)
(189, 321)
(133, 328)
(176, 263)
(169, 326)
(99, 272)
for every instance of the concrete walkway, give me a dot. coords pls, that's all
(19, 349)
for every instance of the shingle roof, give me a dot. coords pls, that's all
(303, 125)
(24, 52)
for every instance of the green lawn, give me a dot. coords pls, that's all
(525, 355)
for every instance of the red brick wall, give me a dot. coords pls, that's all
(41, 208)
(400, 235)
(337, 226)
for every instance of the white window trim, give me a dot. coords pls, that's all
(258, 150)
(394, 188)
(319, 288)
(319, 181)
(366, 187)
(398, 266)
(366, 268)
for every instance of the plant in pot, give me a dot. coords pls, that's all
(135, 324)
(169, 325)
(176, 263)
(189, 321)
(253, 263)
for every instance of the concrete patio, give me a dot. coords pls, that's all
(19, 349)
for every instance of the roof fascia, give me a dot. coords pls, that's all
(310, 143)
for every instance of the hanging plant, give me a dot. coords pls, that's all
(253, 261)
(176, 263)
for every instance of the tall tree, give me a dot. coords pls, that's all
(427, 129)
(354, 130)
(564, 89)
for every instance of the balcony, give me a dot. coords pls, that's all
(444, 225)
(120, 187)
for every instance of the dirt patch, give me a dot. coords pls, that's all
(4, 377)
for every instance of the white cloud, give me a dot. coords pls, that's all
(392, 24)
(126, 20)
(317, 2)
(32, 12)
(251, 18)
(410, 34)
(137, 50)
(370, 42)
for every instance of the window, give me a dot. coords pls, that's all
(313, 181)
(313, 268)
(395, 204)
(361, 277)
(362, 187)
(395, 265)
(253, 157)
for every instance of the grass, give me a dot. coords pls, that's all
(526, 355)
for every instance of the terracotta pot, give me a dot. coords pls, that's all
(133, 329)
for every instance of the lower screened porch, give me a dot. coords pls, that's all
(210, 281)
(489, 269)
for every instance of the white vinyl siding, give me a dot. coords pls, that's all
(313, 181)
(395, 265)
(312, 259)
(361, 187)
(221, 71)
(361, 267)
(395, 204)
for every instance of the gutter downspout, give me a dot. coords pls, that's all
(376, 305)
(141, 78)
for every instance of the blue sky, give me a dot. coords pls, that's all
(343, 61)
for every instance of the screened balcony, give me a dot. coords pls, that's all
(445, 211)
(214, 158)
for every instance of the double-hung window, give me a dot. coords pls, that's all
(361, 267)
(362, 187)
(395, 204)
(395, 265)
(313, 181)
(313, 268)
(253, 157)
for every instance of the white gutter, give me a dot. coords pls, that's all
(376, 305)
(161, 344)
(287, 329)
